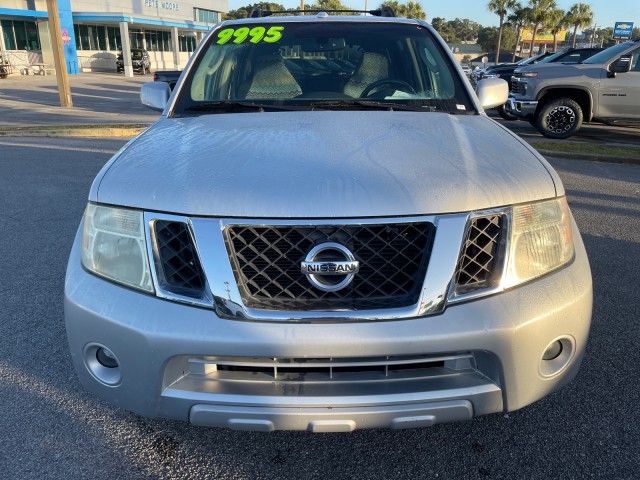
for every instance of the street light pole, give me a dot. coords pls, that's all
(64, 89)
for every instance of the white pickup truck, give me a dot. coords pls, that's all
(557, 98)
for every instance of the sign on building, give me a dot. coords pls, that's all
(543, 37)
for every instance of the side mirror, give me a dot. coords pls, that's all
(155, 95)
(492, 92)
(621, 65)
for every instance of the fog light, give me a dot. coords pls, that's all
(557, 356)
(553, 351)
(102, 364)
(106, 358)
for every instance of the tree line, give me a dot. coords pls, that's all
(408, 9)
(514, 18)
(542, 15)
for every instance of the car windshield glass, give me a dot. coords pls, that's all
(607, 55)
(324, 65)
(136, 54)
(552, 58)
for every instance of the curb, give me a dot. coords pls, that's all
(78, 131)
(589, 157)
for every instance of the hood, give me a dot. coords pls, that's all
(324, 164)
(559, 69)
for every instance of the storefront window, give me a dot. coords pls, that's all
(33, 41)
(135, 38)
(152, 41)
(7, 33)
(114, 38)
(166, 41)
(102, 37)
(187, 44)
(205, 16)
(20, 35)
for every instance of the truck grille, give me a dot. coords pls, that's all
(177, 265)
(477, 266)
(518, 87)
(335, 370)
(393, 261)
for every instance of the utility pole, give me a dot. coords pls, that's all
(593, 34)
(64, 89)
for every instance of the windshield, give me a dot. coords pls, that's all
(607, 55)
(552, 58)
(136, 54)
(323, 65)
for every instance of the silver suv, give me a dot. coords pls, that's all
(324, 231)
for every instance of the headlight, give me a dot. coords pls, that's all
(509, 246)
(541, 240)
(528, 74)
(114, 245)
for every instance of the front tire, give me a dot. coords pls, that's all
(559, 118)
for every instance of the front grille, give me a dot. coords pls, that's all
(518, 87)
(318, 370)
(393, 261)
(477, 266)
(177, 265)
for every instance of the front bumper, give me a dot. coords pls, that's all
(481, 357)
(525, 109)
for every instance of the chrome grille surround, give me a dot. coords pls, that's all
(393, 261)
(223, 295)
(483, 255)
(177, 271)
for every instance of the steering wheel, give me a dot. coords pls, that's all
(392, 82)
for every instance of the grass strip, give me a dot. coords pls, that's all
(587, 148)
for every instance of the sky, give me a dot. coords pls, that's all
(607, 12)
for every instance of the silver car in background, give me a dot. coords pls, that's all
(325, 232)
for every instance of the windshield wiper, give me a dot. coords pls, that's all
(234, 107)
(369, 105)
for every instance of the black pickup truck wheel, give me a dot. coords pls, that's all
(559, 118)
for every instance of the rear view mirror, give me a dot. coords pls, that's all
(621, 65)
(323, 44)
(155, 95)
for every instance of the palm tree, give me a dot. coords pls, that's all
(540, 13)
(557, 20)
(500, 8)
(409, 9)
(414, 10)
(519, 18)
(580, 16)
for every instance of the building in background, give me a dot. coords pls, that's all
(95, 31)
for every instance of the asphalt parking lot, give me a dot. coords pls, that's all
(53, 429)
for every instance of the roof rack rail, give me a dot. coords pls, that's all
(379, 12)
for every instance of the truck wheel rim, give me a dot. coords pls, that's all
(561, 119)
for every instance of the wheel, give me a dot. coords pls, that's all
(502, 111)
(559, 118)
(404, 86)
